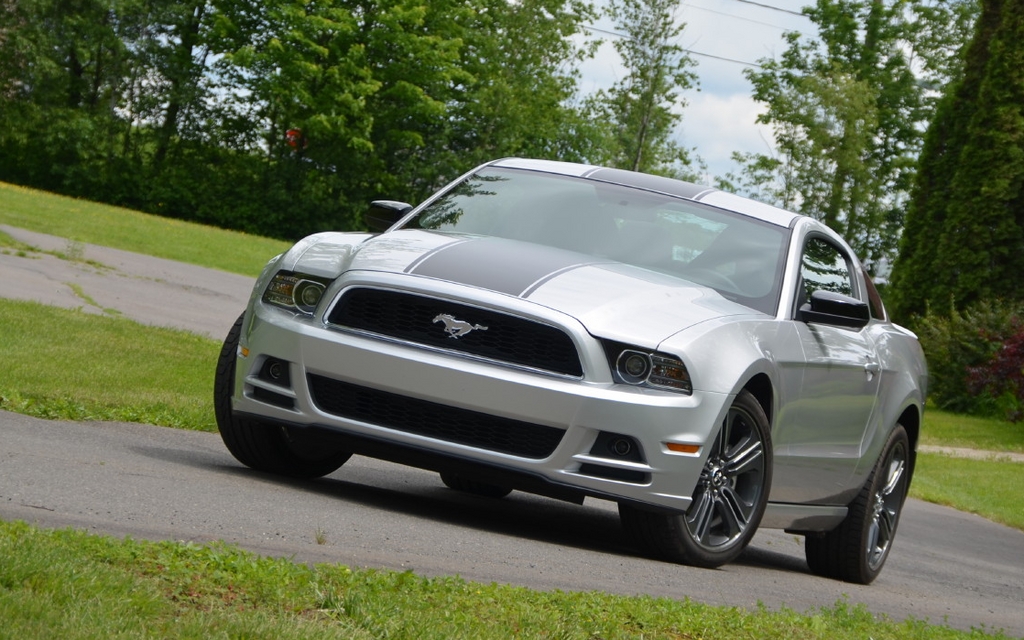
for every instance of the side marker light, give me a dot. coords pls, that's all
(679, 447)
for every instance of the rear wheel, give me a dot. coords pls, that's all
(728, 501)
(474, 487)
(857, 549)
(264, 446)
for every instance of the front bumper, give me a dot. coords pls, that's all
(398, 401)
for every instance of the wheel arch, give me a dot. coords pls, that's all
(911, 421)
(761, 387)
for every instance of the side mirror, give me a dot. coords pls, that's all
(828, 307)
(385, 213)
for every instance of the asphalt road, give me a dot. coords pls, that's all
(110, 281)
(151, 482)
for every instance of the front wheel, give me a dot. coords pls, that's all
(262, 446)
(728, 501)
(857, 549)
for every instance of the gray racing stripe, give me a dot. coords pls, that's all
(506, 266)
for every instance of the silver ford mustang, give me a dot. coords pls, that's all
(710, 363)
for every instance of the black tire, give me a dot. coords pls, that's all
(458, 483)
(728, 502)
(264, 446)
(857, 549)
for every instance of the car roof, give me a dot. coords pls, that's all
(659, 184)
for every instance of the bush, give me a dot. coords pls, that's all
(975, 359)
(1002, 378)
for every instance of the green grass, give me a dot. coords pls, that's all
(989, 488)
(953, 430)
(70, 584)
(83, 221)
(67, 364)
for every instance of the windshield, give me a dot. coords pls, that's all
(738, 256)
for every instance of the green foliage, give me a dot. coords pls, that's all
(642, 107)
(520, 99)
(965, 226)
(282, 117)
(959, 343)
(71, 584)
(847, 109)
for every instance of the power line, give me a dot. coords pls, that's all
(773, 8)
(714, 57)
(744, 18)
(729, 15)
(690, 51)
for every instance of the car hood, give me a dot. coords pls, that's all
(612, 300)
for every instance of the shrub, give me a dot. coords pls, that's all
(1001, 379)
(975, 359)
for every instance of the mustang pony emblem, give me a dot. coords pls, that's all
(457, 328)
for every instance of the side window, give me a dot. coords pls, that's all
(824, 266)
(875, 300)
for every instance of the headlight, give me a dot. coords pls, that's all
(295, 292)
(656, 370)
(669, 373)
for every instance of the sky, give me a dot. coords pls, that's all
(719, 118)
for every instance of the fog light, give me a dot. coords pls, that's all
(275, 371)
(620, 447)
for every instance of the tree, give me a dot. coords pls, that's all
(644, 107)
(524, 68)
(964, 241)
(282, 117)
(847, 110)
(60, 83)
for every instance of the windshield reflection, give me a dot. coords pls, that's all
(738, 256)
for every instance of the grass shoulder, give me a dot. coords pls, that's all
(942, 428)
(72, 365)
(89, 222)
(69, 583)
(989, 488)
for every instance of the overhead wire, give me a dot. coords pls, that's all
(710, 55)
(772, 7)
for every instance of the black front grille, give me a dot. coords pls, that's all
(418, 319)
(433, 420)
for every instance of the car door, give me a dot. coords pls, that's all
(830, 388)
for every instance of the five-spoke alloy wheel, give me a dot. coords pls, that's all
(728, 501)
(856, 550)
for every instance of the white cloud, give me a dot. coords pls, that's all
(717, 125)
(718, 119)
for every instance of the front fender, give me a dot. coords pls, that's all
(722, 356)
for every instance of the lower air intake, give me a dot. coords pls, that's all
(438, 421)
